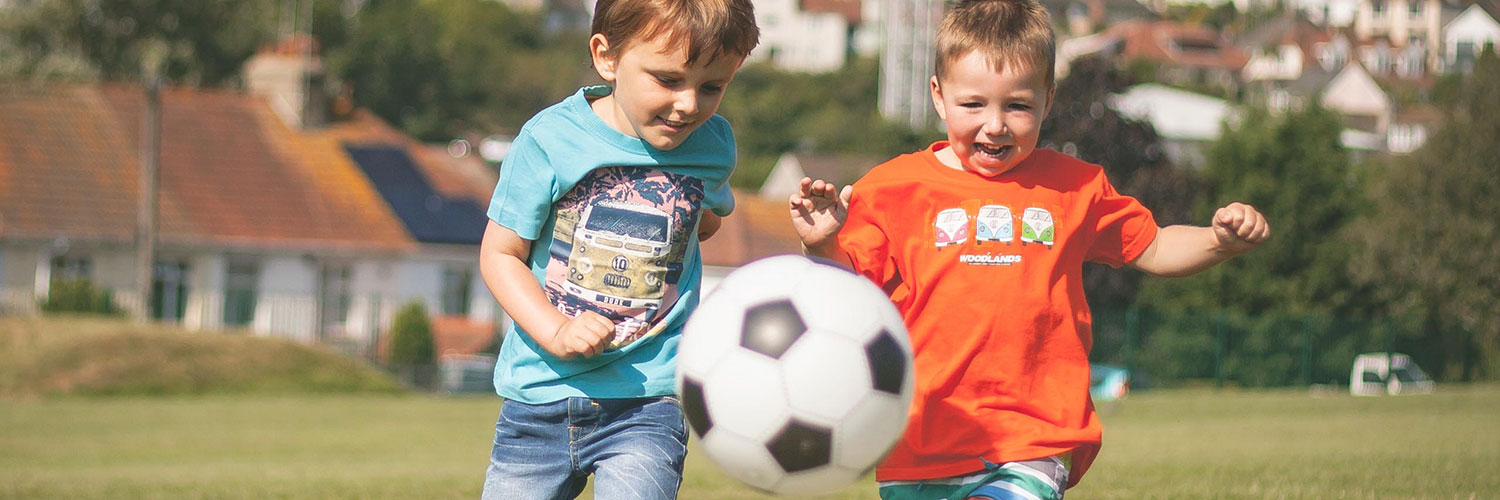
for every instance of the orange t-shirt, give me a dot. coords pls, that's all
(987, 274)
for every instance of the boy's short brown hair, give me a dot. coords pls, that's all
(1005, 31)
(707, 27)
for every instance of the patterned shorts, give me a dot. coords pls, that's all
(1040, 479)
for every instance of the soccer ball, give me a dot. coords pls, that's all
(795, 375)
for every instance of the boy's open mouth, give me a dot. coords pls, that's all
(996, 151)
(673, 124)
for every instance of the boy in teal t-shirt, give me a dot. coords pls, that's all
(592, 249)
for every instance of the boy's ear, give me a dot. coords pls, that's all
(604, 62)
(1051, 94)
(937, 98)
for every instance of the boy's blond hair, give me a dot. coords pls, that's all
(1004, 31)
(708, 27)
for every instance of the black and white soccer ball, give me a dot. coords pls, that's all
(796, 376)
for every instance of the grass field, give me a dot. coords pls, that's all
(1166, 444)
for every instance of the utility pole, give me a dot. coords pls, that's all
(145, 222)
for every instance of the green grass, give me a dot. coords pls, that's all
(1167, 444)
(82, 355)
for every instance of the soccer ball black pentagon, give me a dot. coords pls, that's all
(795, 375)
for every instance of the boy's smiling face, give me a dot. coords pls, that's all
(658, 97)
(994, 117)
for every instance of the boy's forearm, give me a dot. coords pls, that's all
(518, 293)
(829, 251)
(1181, 251)
(513, 285)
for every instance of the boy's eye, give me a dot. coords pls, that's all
(712, 89)
(1020, 107)
(971, 105)
(666, 81)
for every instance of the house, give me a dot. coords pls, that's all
(1401, 37)
(271, 219)
(1076, 18)
(1466, 36)
(1186, 122)
(840, 169)
(1291, 59)
(809, 35)
(758, 228)
(1410, 128)
(1329, 13)
(1183, 55)
(1360, 99)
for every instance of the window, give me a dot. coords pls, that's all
(1414, 7)
(71, 268)
(241, 280)
(334, 300)
(1464, 56)
(169, 291)
(456, 284)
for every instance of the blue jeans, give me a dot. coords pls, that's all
(635, 448)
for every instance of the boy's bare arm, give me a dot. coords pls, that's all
(1186, 250)
(502, 263)
(708, 224)
(818, 211)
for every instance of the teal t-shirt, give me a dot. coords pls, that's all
(613, 223)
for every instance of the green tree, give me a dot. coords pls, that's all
(1430, 247)
(1081, 122)
(1256, 312)
(775, 112)
(440, 68)
(194, 41)
(1293, 169)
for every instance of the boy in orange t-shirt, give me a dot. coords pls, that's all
(980, 241)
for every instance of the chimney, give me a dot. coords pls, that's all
(289, 75)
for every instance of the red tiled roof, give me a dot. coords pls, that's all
(231, 173)
(848, 9)
(459, 335)
(1169, 43)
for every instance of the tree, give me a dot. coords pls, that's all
(1259, 314)
(1293, 169)
(438, 69)
(194, 41)
(775, 112)
(1082, 123)
(1430, 247)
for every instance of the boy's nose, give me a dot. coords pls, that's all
(687, 102)
(995, 126)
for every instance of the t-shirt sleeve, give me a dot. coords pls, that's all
(1123, 227)
(864, 241)
(720, 199)
(524, 195)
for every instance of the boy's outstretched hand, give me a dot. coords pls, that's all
(1240, 228)
(818, 211)
(584, 335)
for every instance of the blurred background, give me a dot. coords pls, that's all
(314, 173)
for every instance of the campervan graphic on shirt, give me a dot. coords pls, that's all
(618, 246)
(1036, 226)
(952, 227)
(994, 224)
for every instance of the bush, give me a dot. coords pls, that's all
(411, 337)
(79, 296)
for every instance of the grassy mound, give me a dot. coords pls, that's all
(93, 356)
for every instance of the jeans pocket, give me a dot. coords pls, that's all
(673, 418)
